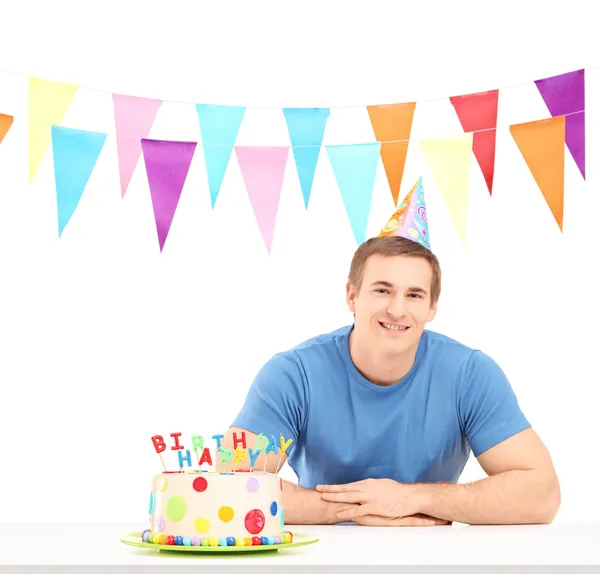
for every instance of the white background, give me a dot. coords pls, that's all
(105, 341)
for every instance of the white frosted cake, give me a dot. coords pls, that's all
(199, 508)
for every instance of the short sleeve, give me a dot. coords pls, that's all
(488, 407)
(277, 401)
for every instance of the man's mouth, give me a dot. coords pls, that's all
(392, 327)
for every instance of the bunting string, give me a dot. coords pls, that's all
(256, 107)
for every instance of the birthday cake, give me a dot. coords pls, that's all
(200, 507)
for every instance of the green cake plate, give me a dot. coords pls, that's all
(135, 539)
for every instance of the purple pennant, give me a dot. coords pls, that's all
(565, 96)
(167, 166)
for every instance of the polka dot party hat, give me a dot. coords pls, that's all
(410, 219)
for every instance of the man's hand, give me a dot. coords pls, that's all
(416, 520)
(374, 497)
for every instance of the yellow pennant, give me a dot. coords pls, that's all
(449, 160)
(48, 104)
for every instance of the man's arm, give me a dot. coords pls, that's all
(302, 505)
(521, 487)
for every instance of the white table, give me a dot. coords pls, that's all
(99, 544)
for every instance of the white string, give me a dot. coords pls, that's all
(203, 145)
(187, 102)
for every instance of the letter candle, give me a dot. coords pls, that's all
(202, 453)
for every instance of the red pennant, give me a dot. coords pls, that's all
(478, 113)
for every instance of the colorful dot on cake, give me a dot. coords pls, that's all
(240, 542)
(281, 520)
(178, 540)
(254, 521)
(222, 541)
(162, 484)
(152, 503)
(176, 508)
(264, 540)
(226, 513)
(200, 484)
(171, 540)
(273, 508)
(252, 485)
(213, 541)
(202, 525)
(187, 541)
(160, 526)
(204, 542)
(255, 541)
(230, 541)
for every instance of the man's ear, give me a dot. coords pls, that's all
(432, 312)
(350, 297)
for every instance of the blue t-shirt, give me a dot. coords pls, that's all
(454, 400)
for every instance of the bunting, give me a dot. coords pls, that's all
(449, 161)
(542, 145)
(167, 166)
(48, 104)
(355, 167)
(392, 125)
(263, 169)
(306, 127)
(219, 127)
(564, 95)
(478, 113)
(5, 122)
(134, 117)
(75, 154)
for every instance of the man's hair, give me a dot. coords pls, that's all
(389, 247)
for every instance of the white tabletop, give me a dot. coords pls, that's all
(99, 544)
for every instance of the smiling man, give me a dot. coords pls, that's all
(384, 413)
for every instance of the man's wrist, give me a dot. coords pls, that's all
(424, 498)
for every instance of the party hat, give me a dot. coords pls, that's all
(410, 219)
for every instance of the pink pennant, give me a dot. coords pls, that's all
(133, 119)
(263, 169)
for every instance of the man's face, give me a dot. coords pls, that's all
(393, 303)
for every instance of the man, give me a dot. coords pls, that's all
(383, 413)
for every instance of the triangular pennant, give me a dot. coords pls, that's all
(48, 104)
(219, 126)
(75, 155)
(167, 167)
(478, 113)
(565, 96)
(542, 145)
(392, 125)
(306, 127)
(449, 161)
(263, 169)
(5, 122)
(355, 168)
(133, 120)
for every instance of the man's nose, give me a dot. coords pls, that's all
(397, 307)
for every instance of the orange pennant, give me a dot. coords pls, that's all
(542, 145)
(392, 124)
(5, 123)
